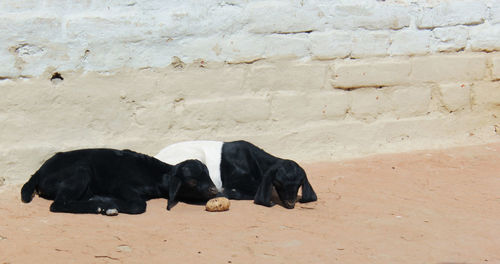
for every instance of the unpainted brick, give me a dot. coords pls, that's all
(367, 73)
(486, 95)
(397, 102)
(496, 67)
(410, 101)
(369, 103)
(228, 111)
(276, 77)
(455, 96)
(439, 68)
(204, 83)
(329, 105)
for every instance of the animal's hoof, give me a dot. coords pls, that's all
(111, 212)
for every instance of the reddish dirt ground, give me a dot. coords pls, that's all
(420, 207)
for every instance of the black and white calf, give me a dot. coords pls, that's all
(242, 171)
(109, 181)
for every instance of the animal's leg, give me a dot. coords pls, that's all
(131, 206)
(236, 195)
(83, 207)
(129, 201)
(72, 194)
(113, 206)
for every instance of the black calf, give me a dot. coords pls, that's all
(248, 172)
(109, 181)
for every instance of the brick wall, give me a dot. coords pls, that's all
(308, 80)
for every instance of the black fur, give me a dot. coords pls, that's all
(98, 180)
(248, 172)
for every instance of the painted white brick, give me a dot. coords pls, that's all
(409, 42)
(247, 48)
(367, 15)
(495, 12)
(30, 29)
(485, 37)
(34, 60)
(240, 48)
(124, 28)
(330, 44)
(103, 56)
(175, 18)
(8, 65)
(193, 48)
(138, 34)
(185, 18)
(30, 58)
(369, 43)
(451, 13)
(287, 46)
(455, 96)
(451, 38)
(65, 8)
(280, 17)
(11, 6)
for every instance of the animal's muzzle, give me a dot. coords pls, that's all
(212, 191)
(289, 204)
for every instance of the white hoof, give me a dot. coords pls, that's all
(111, 212)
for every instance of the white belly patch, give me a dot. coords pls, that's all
(208, 152)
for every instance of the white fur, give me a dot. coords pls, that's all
(208, 152)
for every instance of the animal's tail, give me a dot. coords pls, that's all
(28, 190)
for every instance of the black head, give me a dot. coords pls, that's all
(190, 180)
(286, 176)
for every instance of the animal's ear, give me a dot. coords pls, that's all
(174, 184)
(308, 194)
(265, 189)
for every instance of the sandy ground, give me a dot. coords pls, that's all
(421, 207)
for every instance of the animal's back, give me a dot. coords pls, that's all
(103, 167)
(49, 171)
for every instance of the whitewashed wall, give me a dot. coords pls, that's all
(95, 35)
